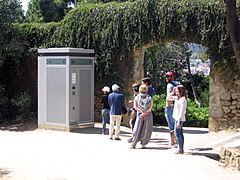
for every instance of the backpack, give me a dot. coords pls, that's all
(173, 83)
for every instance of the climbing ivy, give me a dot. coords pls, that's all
(114, 29)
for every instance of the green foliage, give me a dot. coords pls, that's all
(47, 10)
(3, 102)
(195, 117)
(159, 103)
(201, 83)
(10, 12)
(99, 1)
(23, 103)
(114, 30)
(163, 58)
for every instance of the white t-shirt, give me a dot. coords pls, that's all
(180, 108)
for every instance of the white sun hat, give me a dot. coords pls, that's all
(106, 89)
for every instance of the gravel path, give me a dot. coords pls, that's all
(86, 154)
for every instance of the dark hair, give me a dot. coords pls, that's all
(182, 91)
(136, 87)
(147, 81)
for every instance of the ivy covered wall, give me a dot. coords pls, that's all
(115, 30)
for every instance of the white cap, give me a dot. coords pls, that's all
(106, 89)
(115, 87)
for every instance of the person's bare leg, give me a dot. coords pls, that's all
(173, 138)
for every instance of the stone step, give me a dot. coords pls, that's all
(230, 156)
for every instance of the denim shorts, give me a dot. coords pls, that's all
(168, 115)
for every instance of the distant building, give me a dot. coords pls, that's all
(197, 66)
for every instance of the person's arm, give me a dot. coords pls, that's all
(149, 109)
(171, 97)
(136, 107)
(169, 90)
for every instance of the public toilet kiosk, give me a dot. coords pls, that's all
(65, 88)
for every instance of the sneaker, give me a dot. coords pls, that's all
(132, 147)
(117, 138)
(179, 152)
(143, 147)
(175, 145)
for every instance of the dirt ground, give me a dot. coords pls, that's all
(29, 153)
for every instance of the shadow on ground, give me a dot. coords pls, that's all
(32, 125)
(211, 155)
(29, 125)
(187, 131)
(96, 130)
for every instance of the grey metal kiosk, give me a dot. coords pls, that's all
(65, 88)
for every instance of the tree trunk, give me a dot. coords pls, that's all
(233, 28)
(190, 75)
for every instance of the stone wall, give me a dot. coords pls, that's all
(224, 101)
(230, 156)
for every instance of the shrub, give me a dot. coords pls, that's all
(23, 106)
(3, 102)
(195, 116)
(159, 103)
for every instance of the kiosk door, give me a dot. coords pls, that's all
(81, 95)
(85, 95)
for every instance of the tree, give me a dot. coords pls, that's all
(10, 12)
(163, 58)
(47, 10)
(233, 28)
(187, 58)
(170, 57)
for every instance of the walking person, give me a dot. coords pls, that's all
(105, 108)
(179, 113)
(146, 81)
(169, 108)
(116, 103)
(144, 123)
(133, 112)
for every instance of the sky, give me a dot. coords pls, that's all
(24, 4)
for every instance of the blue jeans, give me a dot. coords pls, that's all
(168, 115)
(105, 119)
(179, 135)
